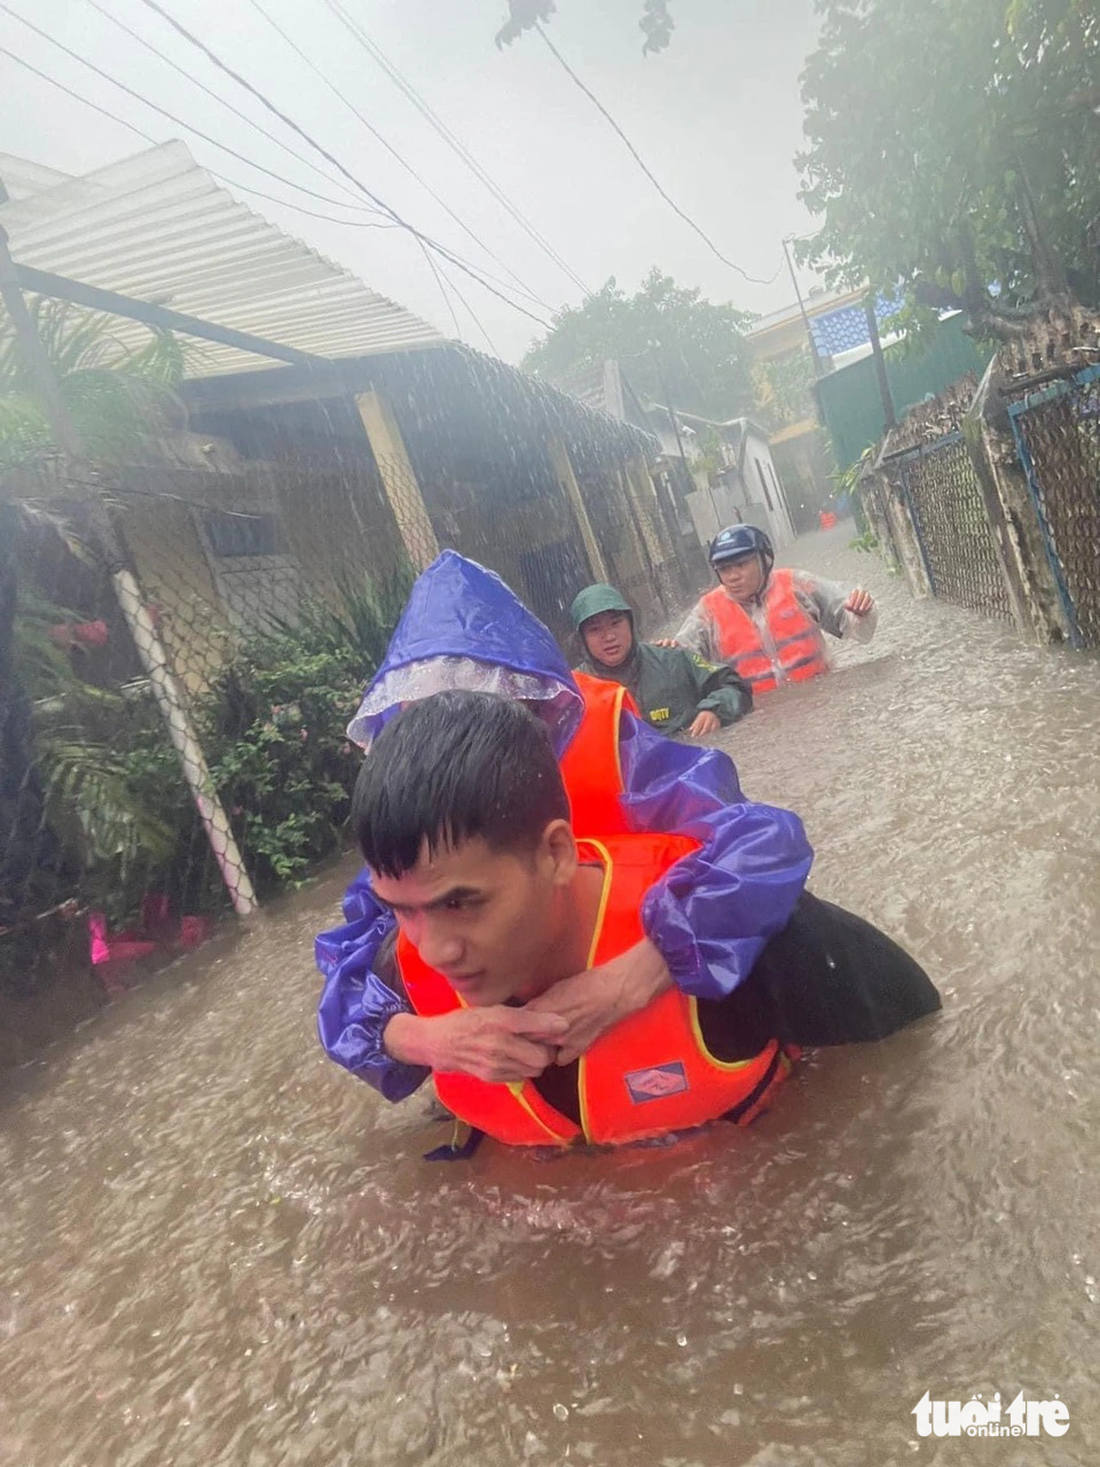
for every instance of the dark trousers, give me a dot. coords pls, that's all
(828, 978)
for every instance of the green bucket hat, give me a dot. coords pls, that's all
(594, 599)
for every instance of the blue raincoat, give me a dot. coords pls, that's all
(711, 914)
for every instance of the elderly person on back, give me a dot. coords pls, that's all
(676, 690)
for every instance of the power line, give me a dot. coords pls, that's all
(453, 142)
(221, 177)
(442, 288)
(246, 188)
(324, 152)
(471, 313)
(223, 101)
(179, 122)
(753, 279)
(22, 61)
(526, 290)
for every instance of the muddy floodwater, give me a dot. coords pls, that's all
(216, 1248)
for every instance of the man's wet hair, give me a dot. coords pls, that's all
(452, 768)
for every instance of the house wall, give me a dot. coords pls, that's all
(713, 508)
(767, 505)
(804, 467)
(321, 528)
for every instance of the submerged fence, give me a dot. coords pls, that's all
(182, 646)
(1057, 434)
(941, 493)
(989, 496)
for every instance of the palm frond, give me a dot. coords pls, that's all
(116, 392)
(89, 782)
(162, 359)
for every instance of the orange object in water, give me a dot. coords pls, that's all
(651, 1074)
(828, 519)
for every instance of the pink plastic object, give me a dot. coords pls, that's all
(155, 913)
(124, 947)
(193, 931)
(97, 933)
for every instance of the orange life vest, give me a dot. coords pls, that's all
(590, 766)
(650, 1074)
(799, 647)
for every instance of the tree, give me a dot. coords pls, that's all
(115, 394)
(656, 23)
(783, 389)
(670, 342)
(953, 149)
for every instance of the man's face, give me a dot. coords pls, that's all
(743, 577)
(485, 919)
(608, 637)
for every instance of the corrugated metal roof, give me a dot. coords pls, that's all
(21, 177)
(158, 227)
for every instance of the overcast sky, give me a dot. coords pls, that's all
(717, 117)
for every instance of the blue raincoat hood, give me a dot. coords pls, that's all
(463, 627)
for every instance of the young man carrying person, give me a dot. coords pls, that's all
(463, 819)
(464, 629)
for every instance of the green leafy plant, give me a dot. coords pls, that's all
(115, 393)
(710, 456)
(83, 737)
(121, 820)
(952, 153)
(672, 342)
(783, 388)
(282, 764)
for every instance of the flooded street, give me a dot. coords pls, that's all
(216, 1248)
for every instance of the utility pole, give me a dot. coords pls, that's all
(819, 365)
(655, 349)
(885, 394)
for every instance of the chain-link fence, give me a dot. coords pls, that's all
(181, 663)
(1057, 432)
(184, 645)
(944, 501)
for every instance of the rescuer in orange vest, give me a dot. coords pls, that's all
(767, 624)
(463, 819)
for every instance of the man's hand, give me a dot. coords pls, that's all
(704, 723)
(593, 1001)
(666, 642)
(496, 1043)
(860, 602)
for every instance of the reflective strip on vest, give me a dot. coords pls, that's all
(651, 1074)
(798, 642)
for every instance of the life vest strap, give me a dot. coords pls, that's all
(738, 1112)
(454, 1150)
